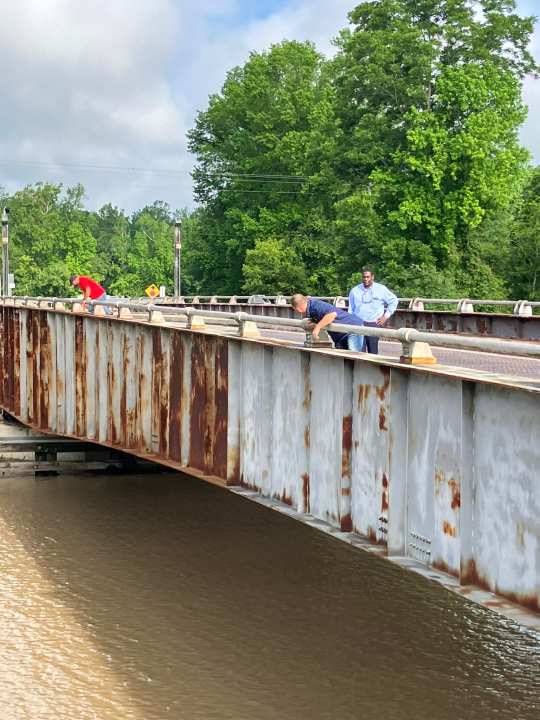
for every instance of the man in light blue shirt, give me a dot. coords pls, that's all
(374, 304)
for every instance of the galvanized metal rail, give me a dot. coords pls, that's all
(248, 326)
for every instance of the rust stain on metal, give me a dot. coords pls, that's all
(346, 524)
(382, 389)
(382, 419)
(124, 429)
(45, 370)
(346, 447)
(16, 363)
(202, 402)
(449, 529)
(470, 576)
(456, 493)
(306, 491)
(439, 480)
(284, 498)
(363, 394)
(234, 463)
(35, 336)
(444, 567)
(157, 363)
(221, 385)
(384, 499)
(175, 396)
(307, 437)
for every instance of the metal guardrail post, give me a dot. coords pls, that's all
(247, 327)
(465, 306)
(523, 309)
(416, 304)
(195, 322)
(414, 352)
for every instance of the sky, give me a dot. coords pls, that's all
(102, 92)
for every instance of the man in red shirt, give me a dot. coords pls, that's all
(91, 289)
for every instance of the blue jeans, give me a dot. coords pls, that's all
(356, 343)
(91, 305)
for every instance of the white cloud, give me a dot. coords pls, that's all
(119, 83)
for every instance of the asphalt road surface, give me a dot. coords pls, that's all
(512, 365)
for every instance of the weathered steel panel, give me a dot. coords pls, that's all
(289, 462)
(144, 388)
(175, 397)
(256, 420)
(506, 542)
(69, 343)
(51, 363)
(234, 412)
(91, 380)
(345, 502)
(221, 385)
(208, 405)
(36, 353)
(326, 432)
(23, 316)
(371, 481)
(60, 352)
(128, 401)
(160, 391)
(397, 463)
(185, 418)
(434, 471)
(115, 378)
(103, 399)
(81, 368)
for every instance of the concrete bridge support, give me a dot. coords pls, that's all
(438, 464)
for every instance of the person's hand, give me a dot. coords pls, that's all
(316, 332)
(382, 320)
(310, 325)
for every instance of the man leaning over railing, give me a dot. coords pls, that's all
(373, 303)
(322, 314)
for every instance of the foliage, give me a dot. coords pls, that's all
(401, 152)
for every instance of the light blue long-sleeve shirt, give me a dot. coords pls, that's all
(369, 303)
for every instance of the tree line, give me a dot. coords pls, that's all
(401, 152)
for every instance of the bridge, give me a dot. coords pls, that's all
(432, 462)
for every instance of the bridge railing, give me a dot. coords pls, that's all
(462, 306)
(520, 308)
(416, 345)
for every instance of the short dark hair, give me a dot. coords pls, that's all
(366, 268)
(72, 279)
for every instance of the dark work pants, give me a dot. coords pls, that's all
(371, 344)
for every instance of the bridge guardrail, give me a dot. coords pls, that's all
(416, 345)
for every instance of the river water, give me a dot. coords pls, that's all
(160, 596)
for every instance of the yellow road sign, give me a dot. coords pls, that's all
(152, 291)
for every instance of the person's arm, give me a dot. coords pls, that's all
(328, 319)
(352, 302)
(390, 304)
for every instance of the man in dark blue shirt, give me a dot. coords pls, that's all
(323, 314)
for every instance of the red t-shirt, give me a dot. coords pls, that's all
(86, 283)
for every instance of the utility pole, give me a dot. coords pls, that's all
(6, 290)
(177, 258)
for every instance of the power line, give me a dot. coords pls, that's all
(164, 171)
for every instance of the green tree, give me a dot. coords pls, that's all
(49, 239)
(524, 256)
(255, 148)
(273, 267)
(428, 95)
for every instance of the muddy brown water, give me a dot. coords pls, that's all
(159, 596)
